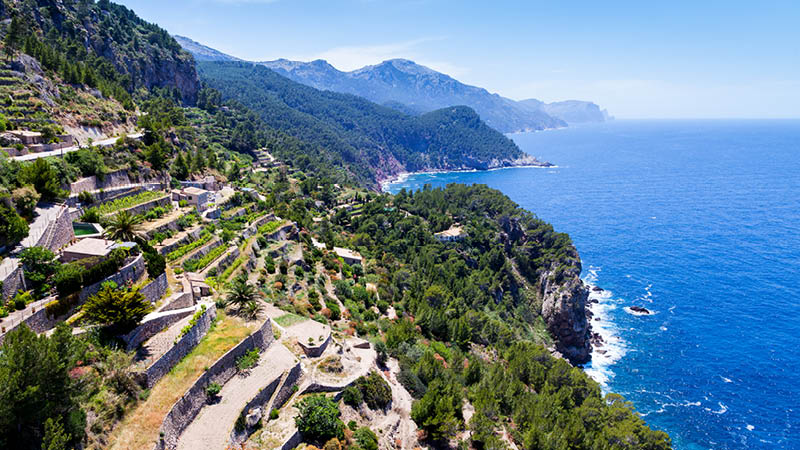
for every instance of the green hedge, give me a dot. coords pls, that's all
(71, 277)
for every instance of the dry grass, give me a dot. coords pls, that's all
(139, 429)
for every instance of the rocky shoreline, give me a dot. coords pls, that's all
(527, 162)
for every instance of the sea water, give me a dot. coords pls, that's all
(699, 222)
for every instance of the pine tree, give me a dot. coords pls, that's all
(119, 309)
(14, 37)
(180, 169)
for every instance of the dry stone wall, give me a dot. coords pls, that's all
(154, 290)
(287, 389)
(190, 236)
(129, 272)
(13, 281)
(154, 326)
(261, 400)
(114, 179)
(183, 347)
(180, 300)
(189, 405)
(147, 206)
(224, 261)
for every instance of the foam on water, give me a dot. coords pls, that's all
(613, 347)
(698, 221)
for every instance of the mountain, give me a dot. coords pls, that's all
(570, 111)
(108, 40)
(419, 88)
(376, 142)
(202, 52)
(415, 89)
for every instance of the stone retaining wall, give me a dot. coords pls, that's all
(287, 389)
(180, 300)
(105, 196)
(293, 441)
(261, 400)
(204, 249)
(59, 233)
(113, 179)
(154, 290)
(313, 351)
(129, 272)
(287, 231)
(34, 316)
(13, 281)
(174, 355)
(189, 405)
(253, 228)
(144, 207)
(171, 225)
(223, 261)
(190, 236)
(152, 327)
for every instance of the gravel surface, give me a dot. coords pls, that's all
(211, 429)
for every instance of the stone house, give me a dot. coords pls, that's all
(454, 233)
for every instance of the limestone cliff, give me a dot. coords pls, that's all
(564, 298)
(143, 54)
(560, 290)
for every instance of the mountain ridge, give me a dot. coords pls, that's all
(409, 87)
(375, 142)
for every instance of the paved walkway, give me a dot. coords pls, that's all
(102, 143)
(211, 429)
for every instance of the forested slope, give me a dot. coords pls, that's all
(101, 43)
(375, 141)
(473, 326)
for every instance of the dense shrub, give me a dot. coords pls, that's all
(318, 419)
(69, 278)
(375, 390)
(120, 309)
(352, 396)
(366, 439)
(248, 360)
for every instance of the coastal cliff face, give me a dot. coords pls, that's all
(562, 293)
(564, 299)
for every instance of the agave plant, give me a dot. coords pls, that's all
(123, 226)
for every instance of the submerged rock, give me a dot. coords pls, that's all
(640, 309)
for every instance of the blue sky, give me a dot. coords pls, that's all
(639, 59)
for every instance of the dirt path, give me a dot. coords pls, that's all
(211, 428)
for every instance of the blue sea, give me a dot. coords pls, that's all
(699, 222)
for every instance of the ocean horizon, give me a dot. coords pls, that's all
(698, 221)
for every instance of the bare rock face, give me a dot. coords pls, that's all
(564, 298)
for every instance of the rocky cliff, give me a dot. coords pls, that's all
(564, 300)
(562, 293)
(145, 55)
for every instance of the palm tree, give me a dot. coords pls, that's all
(240, 292)
(251, 309)
(123, 226)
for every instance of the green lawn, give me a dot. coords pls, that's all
(289, 319)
